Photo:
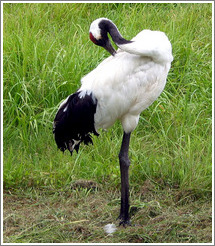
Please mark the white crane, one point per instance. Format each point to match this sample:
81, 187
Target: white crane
119, 88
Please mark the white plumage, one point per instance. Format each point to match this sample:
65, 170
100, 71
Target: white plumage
126, 84
119, 88
110, 228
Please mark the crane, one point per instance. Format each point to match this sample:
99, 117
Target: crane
119, 88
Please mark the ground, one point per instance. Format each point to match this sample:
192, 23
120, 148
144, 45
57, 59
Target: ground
79, 214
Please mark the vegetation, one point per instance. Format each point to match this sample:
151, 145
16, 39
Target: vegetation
46, 52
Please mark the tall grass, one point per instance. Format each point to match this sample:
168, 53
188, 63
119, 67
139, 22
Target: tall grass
47, 51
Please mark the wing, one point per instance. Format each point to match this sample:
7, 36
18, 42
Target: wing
74, 122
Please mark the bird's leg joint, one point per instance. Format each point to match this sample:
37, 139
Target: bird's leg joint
124, 160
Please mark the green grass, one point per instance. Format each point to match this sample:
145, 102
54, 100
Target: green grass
46, 52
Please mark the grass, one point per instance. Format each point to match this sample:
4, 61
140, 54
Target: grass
79, 215
46, 52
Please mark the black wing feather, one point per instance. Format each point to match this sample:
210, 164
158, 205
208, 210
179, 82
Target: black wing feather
74, 122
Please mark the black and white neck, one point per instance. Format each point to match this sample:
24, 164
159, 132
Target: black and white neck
98, 34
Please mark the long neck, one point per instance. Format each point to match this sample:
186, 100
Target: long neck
110, 27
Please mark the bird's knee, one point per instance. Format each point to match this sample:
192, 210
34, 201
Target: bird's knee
124, 160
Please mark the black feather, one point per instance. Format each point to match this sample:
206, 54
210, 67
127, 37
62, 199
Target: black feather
74, 122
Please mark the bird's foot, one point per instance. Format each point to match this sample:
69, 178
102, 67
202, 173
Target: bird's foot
124, 221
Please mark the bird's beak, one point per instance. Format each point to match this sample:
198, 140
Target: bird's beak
108, 46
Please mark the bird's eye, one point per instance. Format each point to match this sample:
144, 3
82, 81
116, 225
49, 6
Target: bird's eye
93, 39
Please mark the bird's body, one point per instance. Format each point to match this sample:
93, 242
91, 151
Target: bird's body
119, 88
126, 84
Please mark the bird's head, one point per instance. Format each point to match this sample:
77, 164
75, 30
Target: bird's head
98, 34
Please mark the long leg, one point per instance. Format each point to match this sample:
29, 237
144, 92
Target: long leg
124, 169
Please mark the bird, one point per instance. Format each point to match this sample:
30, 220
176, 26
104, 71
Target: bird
122, 86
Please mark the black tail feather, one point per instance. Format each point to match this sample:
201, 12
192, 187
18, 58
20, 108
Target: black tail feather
74, 122
76, 148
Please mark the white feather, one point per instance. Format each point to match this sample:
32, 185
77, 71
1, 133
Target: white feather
129, 82
110, 228
154, 44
